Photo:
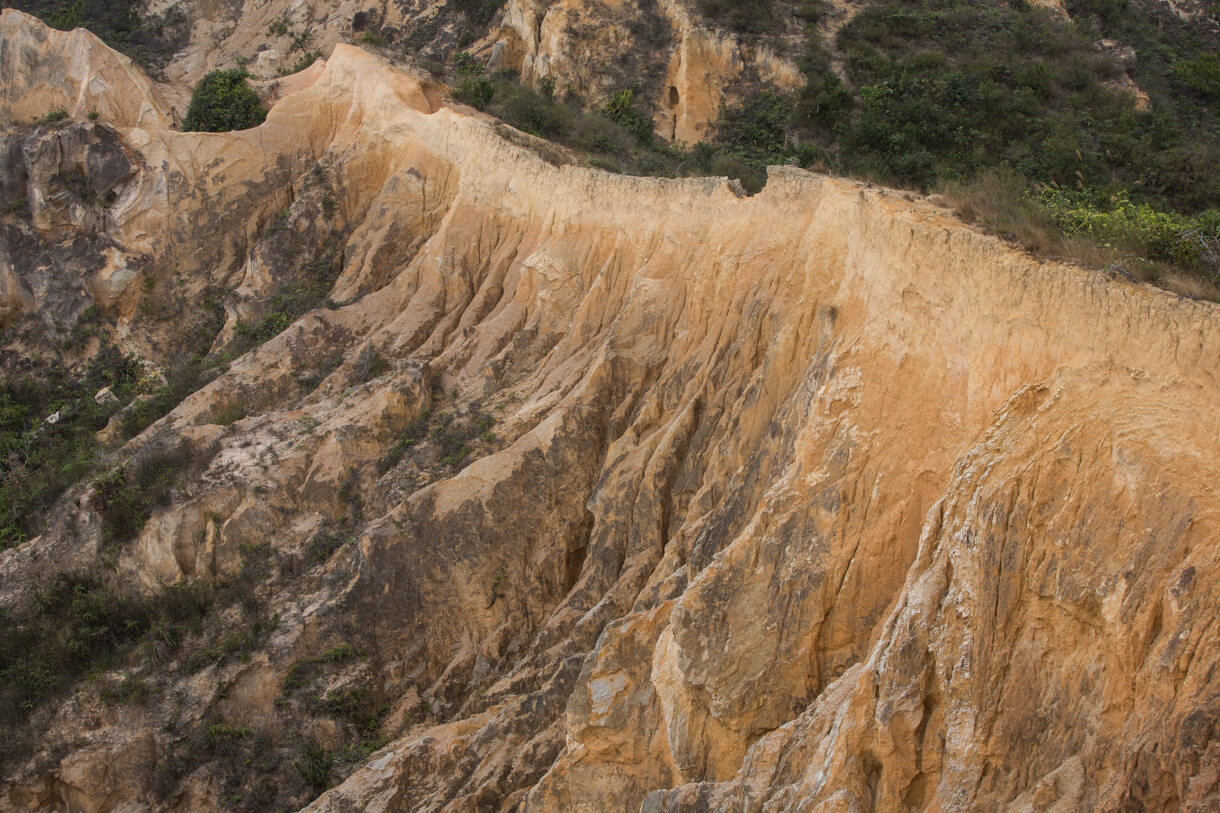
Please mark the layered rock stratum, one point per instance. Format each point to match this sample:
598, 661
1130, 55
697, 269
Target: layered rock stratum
816, 499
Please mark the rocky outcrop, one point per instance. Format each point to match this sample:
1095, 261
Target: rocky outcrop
659, 498
58, 187
688, 67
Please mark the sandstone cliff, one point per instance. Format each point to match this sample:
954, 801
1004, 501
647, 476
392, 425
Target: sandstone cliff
660, 498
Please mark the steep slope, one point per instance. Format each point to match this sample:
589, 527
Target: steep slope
645, 495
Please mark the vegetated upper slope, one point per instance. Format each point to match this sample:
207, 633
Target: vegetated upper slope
578, 491
1104, 125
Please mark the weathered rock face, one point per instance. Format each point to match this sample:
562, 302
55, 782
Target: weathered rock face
684, 67
597, 49
60, 184
811, 500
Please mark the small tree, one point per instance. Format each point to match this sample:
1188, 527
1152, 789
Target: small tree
622, 110
223, 101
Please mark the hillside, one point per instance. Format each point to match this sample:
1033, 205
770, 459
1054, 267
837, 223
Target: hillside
381, 457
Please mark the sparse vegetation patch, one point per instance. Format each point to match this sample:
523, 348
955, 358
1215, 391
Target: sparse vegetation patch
48, 426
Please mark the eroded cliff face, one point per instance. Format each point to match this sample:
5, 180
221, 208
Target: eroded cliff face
684, 66
596, 49
660, 498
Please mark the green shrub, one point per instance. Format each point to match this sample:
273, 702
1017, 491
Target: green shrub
1139, 227
314, 765
68, 16
181, 383
752, 176
54, 116
531, 111
340, 653
303, 61
467, 65
1201, 74
223, 101
131, 689
324, 544
355, 704
244, 640
596, 133
360, 750
410, 436
288, 303
230, 413
188, 373
223, 737
757, 130
622, 110
476, 91
824, 102
126, 497
305, 672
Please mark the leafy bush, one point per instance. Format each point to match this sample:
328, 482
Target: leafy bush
314, 765
1201, 74
340, 653
945, 89
223, 101
476, 91
355, 704
1167, 236
757, 130
324, 544
305, 672
190, 371
824, 102
598, 134
54, 116
303, 61
622, 110
532, 112
181, 383
126, 497
414, 432
230, 413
